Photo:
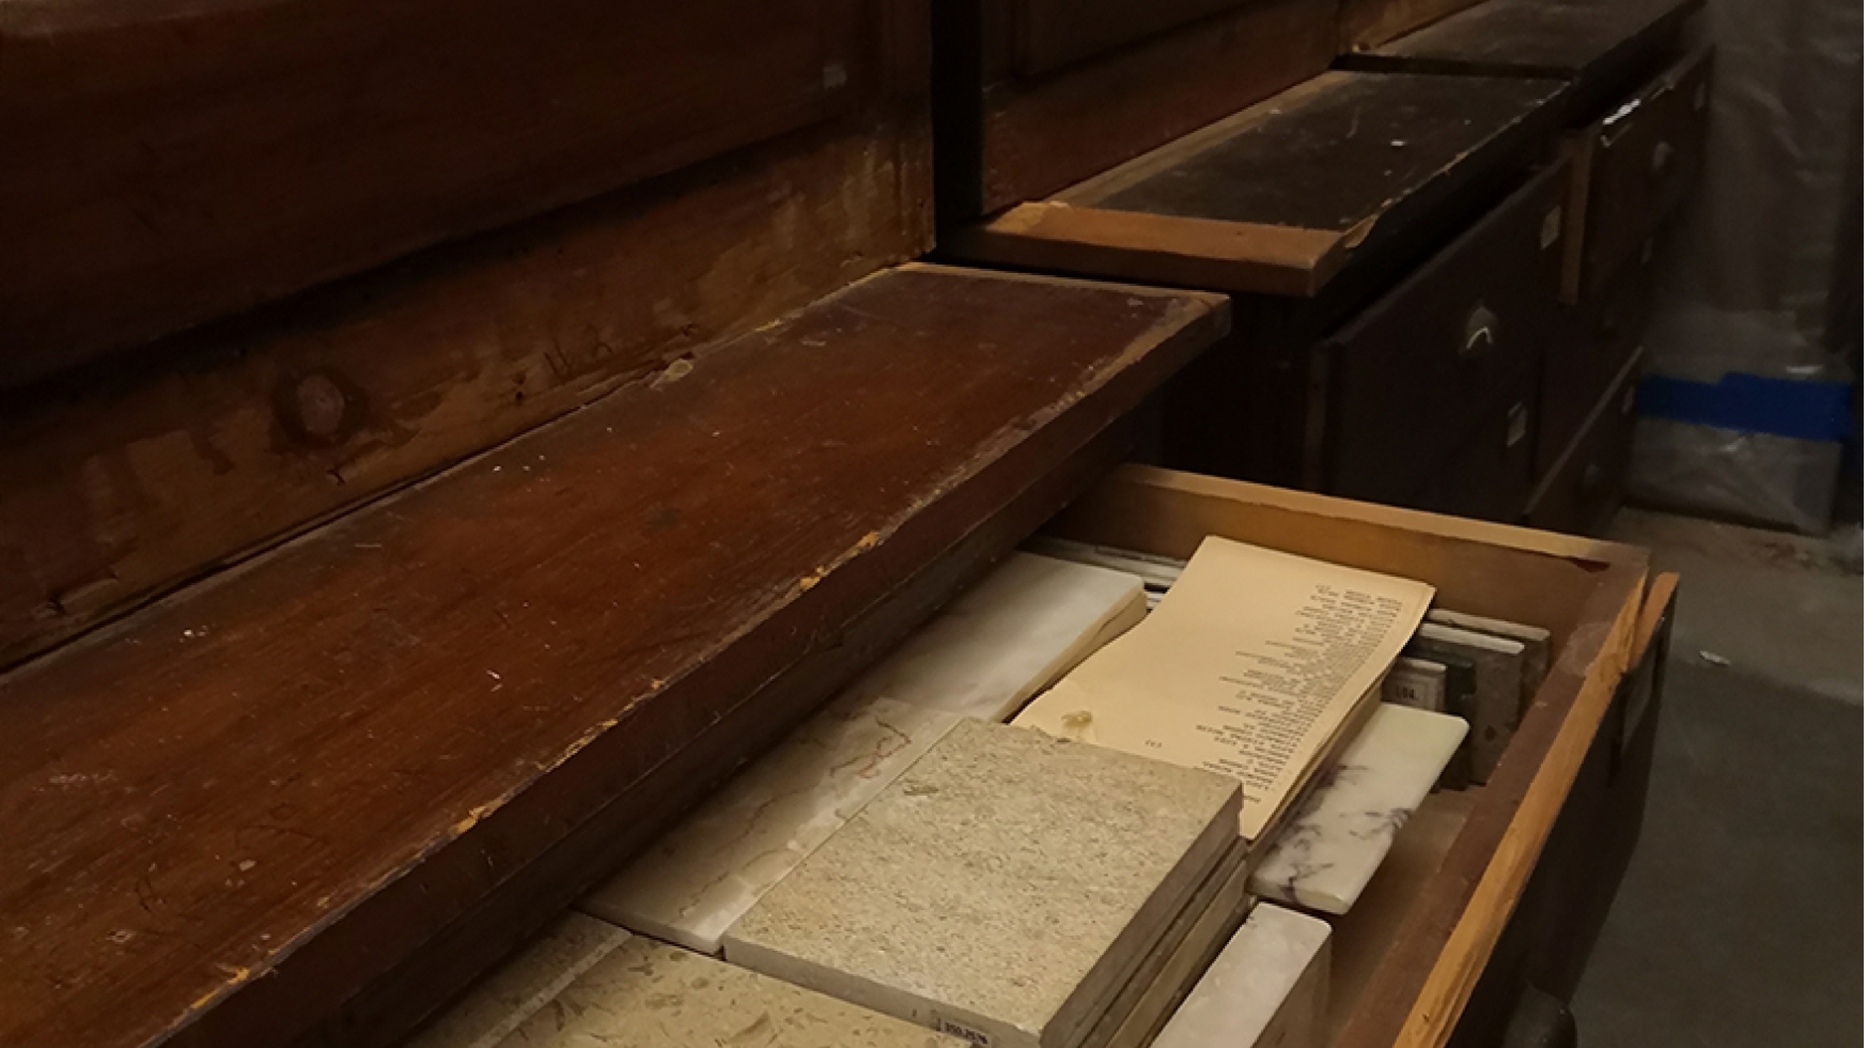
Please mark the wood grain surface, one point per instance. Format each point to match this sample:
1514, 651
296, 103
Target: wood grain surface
169, 161
1366, 24
128, 478
420, 701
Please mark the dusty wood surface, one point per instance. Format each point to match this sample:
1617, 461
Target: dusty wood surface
123, 482
421, 700
168, 162
1366, 24
1589, 594
1572, 39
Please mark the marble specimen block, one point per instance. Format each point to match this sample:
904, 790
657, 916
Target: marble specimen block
707, 871
1002, 889
523, 985
1338, 836
1267, 989
651, 995
1029, 621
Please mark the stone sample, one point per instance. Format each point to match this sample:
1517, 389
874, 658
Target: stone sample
707, 871
1341, 832
1003, 888
1267, 989
523, 985
1029, 621
651, 995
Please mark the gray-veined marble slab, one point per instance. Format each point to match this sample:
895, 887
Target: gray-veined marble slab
1342, 831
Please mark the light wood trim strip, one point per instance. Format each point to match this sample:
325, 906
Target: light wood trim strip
1234, 257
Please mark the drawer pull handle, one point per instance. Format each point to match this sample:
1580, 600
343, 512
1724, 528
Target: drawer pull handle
1481, 330
1661, 157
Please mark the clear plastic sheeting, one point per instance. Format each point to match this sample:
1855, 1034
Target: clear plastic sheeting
1748, 288
1755, 478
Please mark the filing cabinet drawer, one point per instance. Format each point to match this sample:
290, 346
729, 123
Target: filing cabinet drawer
1586, 483
1633, 169
1408, 956
1491, 476
1596, 339
1417, 374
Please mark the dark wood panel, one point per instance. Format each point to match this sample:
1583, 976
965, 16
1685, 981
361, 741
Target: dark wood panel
1641, 163
1054, 33
1366, 24
1594, 342
445, 685
124, 482
1034, 138
169, 162
1423, 371
1605, 46
1587, 483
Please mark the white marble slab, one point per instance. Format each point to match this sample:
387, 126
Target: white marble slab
1020, 629
709, 870
1003, 888
1267, 989
651, 995
523, 985
1337, 838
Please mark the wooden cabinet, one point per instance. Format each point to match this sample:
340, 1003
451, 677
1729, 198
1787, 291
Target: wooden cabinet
1632, 169
1586, 483
1455, 348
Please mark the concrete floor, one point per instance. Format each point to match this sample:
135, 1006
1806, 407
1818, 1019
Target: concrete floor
1740, 922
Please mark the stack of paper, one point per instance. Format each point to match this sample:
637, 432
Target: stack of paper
1024, 625
1257, 665
1005, 888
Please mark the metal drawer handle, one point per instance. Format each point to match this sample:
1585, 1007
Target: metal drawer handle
1481, 330
1660, 159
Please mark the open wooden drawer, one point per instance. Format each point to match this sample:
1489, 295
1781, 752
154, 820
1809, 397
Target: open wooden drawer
306, 800
1410, 955
1278, 198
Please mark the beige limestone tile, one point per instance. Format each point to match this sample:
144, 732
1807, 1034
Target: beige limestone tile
1002, 887
1267, 989
525, 983
706, 872
651, 995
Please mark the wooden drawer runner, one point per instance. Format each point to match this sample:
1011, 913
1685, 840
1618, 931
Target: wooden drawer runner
1449, 351
1408, 956
1587, 482
1633, 169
